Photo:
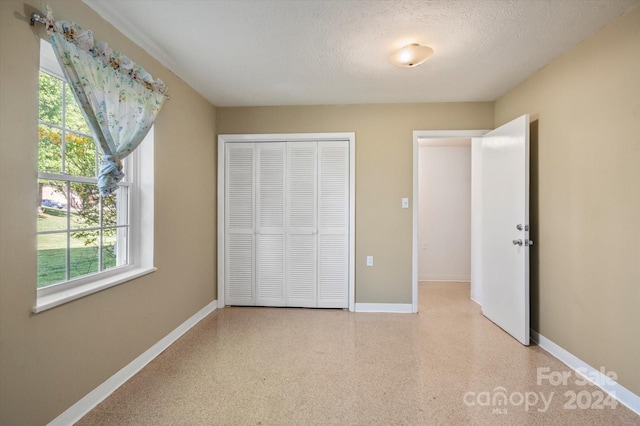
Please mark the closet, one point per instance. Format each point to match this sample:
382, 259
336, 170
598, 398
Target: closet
286, 223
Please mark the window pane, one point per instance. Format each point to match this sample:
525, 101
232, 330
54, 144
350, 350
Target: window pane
84, 253
74, 118
49, 149
52, 214
52, 259
50, 99
114, 208
86, 205
80, 155
114, 247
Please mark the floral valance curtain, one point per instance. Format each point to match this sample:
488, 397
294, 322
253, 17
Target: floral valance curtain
119, 99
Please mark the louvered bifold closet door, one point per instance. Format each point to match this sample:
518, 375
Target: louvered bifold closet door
270, 184
301, 224
333, 224
239, 224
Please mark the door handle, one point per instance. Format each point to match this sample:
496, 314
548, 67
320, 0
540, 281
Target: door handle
528, 242
517, 242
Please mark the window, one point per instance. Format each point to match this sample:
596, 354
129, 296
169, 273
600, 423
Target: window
85, 242
79, 232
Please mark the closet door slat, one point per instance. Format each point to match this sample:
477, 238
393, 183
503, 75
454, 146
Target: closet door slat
301, 223
333, 224
239, 225
270, 241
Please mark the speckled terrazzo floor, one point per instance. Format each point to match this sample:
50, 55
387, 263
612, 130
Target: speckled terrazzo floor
271, 366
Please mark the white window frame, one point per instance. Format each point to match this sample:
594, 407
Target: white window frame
140, 171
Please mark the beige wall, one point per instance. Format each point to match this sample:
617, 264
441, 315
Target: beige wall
384, 173
50, 360
588, 175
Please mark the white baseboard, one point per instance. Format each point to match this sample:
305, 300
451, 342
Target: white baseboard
404, 308
99, 394
465, 280
616, 390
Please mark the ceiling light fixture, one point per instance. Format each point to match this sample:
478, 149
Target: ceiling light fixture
411, 55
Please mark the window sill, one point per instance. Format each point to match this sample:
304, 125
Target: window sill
61, 297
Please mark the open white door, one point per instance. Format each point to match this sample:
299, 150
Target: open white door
505, 227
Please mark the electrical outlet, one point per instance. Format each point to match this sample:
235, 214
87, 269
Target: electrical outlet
369, 260
405, 203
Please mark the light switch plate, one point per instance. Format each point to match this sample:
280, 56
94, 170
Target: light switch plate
369, 260
405, 203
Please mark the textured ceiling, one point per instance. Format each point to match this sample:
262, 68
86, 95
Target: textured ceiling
309, 52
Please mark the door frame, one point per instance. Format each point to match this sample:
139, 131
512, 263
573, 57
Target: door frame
435, 134
223, 139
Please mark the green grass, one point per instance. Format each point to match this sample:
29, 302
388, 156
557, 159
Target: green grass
52, 251
52, 263
56, 220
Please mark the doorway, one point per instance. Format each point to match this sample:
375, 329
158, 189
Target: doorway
442, 139
444, 222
